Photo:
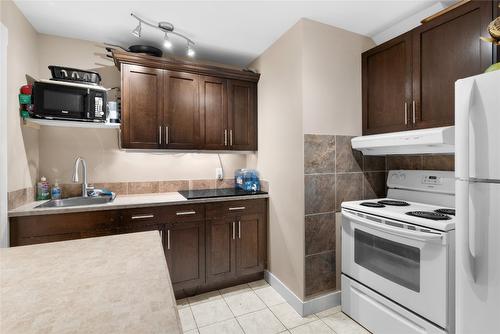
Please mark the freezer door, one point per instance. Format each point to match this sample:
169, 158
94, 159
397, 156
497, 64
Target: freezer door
477, 256
477, 134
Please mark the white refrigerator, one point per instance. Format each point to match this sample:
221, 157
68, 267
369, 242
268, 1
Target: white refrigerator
477, 171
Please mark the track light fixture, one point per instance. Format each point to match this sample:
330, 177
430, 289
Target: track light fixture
167, 28
190, 51
137, 31
166, 42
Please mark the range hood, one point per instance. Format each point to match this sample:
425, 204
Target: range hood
433, 140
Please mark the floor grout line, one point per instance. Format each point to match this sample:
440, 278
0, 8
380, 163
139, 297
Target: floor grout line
252, 289
234, 316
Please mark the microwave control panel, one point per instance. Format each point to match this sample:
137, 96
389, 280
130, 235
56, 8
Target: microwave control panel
98, 112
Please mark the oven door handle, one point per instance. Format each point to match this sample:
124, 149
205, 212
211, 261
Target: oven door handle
405, 233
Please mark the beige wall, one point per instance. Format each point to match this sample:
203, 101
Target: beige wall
310, 83
22, 151
331, 79
107, 163
280, 157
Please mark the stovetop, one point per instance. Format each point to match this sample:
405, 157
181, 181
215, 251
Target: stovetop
223, 192
431, 216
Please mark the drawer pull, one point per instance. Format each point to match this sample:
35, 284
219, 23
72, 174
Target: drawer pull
239, 229
168, 239
185, 213
237, 208
234, 231
143, 217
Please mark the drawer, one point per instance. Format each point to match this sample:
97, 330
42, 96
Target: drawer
183, 213
141, 216
59, 224
236, 208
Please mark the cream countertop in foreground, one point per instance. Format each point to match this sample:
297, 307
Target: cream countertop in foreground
124, 202
113, 284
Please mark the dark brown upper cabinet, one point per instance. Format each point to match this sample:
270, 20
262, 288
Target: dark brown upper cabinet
387, 86
446, 49
181, 105
409, 81
181, 111
213, 113
242, 122
142, 109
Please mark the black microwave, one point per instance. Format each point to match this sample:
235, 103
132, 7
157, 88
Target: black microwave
69, 101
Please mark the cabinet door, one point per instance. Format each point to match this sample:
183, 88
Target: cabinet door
386, 86
242, 115
142, 113
251, 244
220, 250
213, 113
182, 113
446, 49
185, 251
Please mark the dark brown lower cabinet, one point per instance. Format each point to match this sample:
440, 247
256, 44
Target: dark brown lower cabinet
207, 246
184, 244
250, 244
221, 259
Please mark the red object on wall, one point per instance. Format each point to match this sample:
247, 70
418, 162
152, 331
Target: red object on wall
26, 89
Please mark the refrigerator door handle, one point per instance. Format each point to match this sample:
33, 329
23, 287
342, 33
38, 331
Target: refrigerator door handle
463, 105
469, 249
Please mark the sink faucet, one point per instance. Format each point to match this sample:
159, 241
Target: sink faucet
85, 186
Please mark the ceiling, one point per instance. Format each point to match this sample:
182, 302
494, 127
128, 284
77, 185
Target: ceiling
230, 32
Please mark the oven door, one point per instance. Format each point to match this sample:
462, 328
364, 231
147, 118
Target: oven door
405, 263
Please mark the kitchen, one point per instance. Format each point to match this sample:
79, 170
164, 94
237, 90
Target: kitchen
301, 177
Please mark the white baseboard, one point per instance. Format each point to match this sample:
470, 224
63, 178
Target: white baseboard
304, 308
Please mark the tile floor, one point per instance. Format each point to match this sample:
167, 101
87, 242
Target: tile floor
256, 308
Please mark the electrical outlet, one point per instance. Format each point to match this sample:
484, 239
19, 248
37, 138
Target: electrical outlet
219, 175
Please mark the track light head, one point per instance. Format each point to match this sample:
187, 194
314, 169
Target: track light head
137, 31
166, 42
190, 51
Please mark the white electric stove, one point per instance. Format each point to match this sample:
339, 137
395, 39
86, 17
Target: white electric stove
398, 255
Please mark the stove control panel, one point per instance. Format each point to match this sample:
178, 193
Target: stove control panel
432, 179
422, 180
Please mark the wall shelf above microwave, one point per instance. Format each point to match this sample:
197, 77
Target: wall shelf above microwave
37, 122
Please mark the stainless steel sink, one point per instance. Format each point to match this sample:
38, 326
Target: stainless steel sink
75, 201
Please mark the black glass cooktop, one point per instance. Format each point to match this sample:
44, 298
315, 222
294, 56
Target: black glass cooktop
223, 192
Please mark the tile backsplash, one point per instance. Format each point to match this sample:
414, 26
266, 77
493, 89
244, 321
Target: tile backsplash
333, 173
23, 196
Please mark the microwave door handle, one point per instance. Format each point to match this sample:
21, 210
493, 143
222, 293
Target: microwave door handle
405, 233
87, 108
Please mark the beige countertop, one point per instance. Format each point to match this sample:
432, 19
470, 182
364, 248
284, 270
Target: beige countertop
124, 202
113, 284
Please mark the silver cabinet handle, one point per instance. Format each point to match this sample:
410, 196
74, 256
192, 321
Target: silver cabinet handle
237, 208
231, 137
239, 229
406, 113
414, 107
159, 134
234, 230
225, 137
142, 217
166, 135
161, 234
168, 239
185, 213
